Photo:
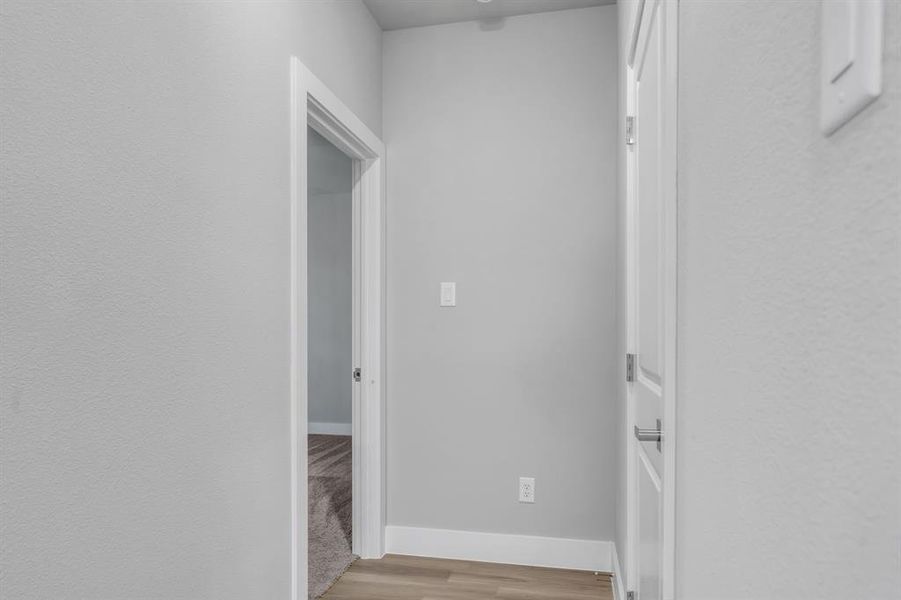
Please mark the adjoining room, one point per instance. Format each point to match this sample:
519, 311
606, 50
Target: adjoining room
331, 370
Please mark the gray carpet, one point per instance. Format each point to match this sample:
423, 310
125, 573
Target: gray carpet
330, 486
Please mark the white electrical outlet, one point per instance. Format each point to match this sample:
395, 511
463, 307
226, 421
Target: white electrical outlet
527, 490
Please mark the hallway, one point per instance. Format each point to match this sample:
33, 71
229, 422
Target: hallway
606, 292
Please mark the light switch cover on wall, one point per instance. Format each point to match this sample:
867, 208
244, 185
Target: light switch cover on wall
851, 72
448, 293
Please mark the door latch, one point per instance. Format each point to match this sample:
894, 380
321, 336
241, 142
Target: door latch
357, 374
651, 435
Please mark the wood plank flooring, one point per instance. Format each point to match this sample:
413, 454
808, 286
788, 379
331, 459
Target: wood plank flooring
413, 578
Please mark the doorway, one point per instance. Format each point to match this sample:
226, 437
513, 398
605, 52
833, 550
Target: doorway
317, 113
332, 359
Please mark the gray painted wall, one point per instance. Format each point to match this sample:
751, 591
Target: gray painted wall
144, 439
789, 453
502, 154
330, 242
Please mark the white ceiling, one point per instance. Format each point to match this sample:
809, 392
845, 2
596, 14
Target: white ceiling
398, 14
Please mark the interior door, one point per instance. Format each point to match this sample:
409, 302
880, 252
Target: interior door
652, 305
355, 368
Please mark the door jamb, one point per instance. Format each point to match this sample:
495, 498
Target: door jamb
669, 156
671, 291
313, 104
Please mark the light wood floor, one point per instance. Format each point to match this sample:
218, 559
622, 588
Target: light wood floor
412, 578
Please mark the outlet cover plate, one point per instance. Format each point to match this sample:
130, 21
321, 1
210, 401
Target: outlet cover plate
527, 490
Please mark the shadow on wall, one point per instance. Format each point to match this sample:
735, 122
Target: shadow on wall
492, 24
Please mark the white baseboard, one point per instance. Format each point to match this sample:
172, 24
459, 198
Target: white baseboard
330, 428
619, 586
583, 555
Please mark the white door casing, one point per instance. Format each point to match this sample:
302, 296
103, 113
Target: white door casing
651, 299
314, 105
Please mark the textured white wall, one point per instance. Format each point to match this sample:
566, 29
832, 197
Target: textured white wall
789, 464
330, 225
144, 441
502, 171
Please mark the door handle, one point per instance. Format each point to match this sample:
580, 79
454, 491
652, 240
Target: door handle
650, 435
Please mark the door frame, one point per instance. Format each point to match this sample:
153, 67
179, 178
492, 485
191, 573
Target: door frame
669, 155
313, 104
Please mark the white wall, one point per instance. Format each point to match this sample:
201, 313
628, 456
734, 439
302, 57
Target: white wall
789, 453
330, 242
502, 170
144, 440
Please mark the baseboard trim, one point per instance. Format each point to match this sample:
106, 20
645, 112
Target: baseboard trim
330, 428
619, 586
533, 551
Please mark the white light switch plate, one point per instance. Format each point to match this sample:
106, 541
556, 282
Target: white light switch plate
448, 293
851, 71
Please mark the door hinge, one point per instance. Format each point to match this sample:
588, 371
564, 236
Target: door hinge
630, 367
357, 374
630, 130
630, 595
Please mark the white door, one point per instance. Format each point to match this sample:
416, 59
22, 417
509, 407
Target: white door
651, 306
